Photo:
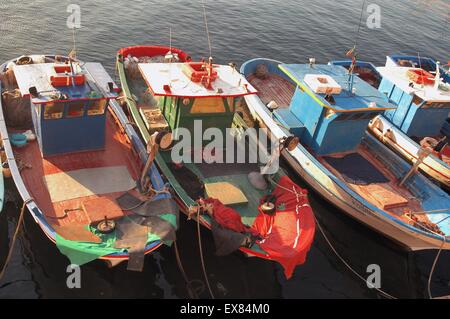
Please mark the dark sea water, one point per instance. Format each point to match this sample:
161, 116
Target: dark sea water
288, 30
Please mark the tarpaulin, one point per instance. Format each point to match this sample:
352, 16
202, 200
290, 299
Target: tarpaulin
227, 217
288, 234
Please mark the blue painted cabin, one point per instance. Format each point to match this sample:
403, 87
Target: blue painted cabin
68, 108
422, 109
330, 109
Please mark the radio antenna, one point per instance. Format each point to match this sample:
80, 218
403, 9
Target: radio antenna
207, 29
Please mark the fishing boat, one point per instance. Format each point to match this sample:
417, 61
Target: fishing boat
262, 215
418, 129
419, 62
329, 109
78, 165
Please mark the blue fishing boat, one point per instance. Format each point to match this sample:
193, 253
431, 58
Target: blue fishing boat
78, 164
329, 109
419, 62
418, 129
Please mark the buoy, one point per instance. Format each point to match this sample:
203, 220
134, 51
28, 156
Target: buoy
268, 208
6, 170
106, 226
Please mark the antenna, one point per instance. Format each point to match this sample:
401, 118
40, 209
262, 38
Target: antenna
353, 53
170, 39
359, 25
73, 56
207, 29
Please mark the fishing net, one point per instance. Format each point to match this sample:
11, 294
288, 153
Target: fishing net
17, 110
261, 71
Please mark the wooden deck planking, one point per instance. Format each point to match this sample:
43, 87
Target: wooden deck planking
117, 152
391, 187
273, 88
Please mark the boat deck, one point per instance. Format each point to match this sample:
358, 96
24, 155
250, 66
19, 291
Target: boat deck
117, 153
273, 88
381, 188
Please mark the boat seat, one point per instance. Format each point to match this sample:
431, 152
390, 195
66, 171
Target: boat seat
226, 192
290, 121
386, 197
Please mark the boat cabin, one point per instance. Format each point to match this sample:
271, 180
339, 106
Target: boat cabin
191, 91
423, 104
68, 104
414, 61
330, 109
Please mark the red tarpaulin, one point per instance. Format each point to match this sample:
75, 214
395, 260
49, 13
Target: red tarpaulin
287, 235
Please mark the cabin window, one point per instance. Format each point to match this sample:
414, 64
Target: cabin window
208, 105
75, 109
97, 107
53, 111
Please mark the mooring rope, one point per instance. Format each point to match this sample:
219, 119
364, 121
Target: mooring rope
382, 292
434, 266
192, 292
205, 274
16, 232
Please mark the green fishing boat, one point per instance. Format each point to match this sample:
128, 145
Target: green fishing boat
249, 204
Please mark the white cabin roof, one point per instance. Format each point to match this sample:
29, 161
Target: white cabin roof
229, 82
398, 76
38, 75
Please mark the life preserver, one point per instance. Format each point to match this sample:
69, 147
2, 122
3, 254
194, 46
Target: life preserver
62, 68
67, 80
198, 71
420, 76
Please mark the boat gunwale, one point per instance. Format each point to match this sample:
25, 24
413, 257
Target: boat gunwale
428, 160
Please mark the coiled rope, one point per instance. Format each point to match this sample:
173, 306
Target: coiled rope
16, 233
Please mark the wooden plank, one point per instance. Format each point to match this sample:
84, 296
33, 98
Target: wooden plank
226, 192
273, 88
